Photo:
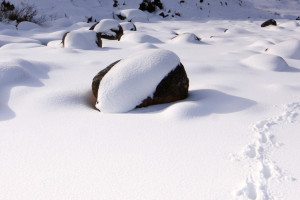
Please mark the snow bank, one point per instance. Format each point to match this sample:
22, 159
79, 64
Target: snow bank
27, 26
267, 62
287, 49
137, 37
81, 39
134, 79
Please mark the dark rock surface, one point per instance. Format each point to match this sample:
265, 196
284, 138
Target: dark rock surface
269, 22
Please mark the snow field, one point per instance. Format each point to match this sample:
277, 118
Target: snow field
234, 137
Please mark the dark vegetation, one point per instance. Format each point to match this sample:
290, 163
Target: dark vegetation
150, 5
9, 12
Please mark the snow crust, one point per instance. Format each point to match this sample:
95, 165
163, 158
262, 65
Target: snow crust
134, 79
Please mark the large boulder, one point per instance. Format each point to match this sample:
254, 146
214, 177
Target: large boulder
109, 29
81, 39
269, 22
150, 77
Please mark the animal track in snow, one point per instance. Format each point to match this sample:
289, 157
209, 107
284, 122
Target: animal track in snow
258, 153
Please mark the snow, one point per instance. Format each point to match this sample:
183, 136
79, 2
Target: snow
27, 26
133, 79
106, 25
128, 26
133, 15
267, 62
81, 39
287, 49
235, 137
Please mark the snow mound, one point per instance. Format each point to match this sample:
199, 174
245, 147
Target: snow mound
267, 62
20, 71
186, 38
81, 39
27, 26
128, 26
134, 79
132, 15
139, 38
105, 26
286, 49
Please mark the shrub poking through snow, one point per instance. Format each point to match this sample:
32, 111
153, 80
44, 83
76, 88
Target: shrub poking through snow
8, 12
81, 40
269, 22
150, 5
150, 77
109, 29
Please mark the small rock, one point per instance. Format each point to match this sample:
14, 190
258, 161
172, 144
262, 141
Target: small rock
269, 22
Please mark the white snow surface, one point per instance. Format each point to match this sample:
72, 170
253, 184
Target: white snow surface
81, 39
235, 137
106, 25
134, 15
133, 79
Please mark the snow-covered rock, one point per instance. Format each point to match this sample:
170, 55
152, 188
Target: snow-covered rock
108, 29
186, 38
81, 39
150, 77
267, 62
128, 26
132, 15
286, 49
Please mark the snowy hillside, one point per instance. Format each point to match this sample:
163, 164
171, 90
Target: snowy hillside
222, 9
235, 137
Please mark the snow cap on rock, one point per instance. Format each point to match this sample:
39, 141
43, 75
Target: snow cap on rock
134, 79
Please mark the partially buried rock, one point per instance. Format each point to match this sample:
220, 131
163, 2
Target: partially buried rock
147, 78
269, 22
81, 39
109, 29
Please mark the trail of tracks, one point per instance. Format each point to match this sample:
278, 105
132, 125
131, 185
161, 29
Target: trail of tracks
257, 155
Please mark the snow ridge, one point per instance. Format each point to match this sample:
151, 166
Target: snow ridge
258, 154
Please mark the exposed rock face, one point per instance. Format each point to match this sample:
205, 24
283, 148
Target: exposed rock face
97, 79
108, 29
172, 88
269, 22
